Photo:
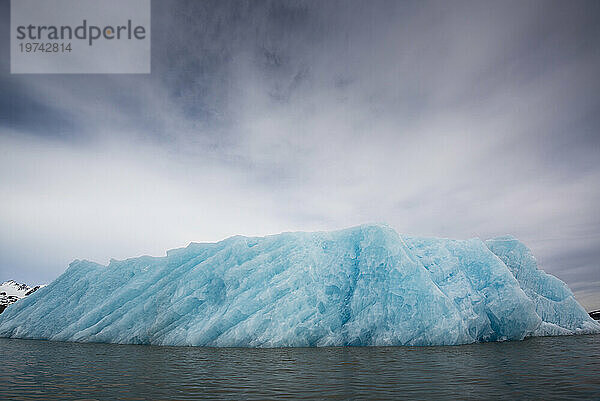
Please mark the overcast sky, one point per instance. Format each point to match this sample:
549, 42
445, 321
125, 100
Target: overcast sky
450, 119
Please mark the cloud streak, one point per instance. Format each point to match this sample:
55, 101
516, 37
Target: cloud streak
456, 120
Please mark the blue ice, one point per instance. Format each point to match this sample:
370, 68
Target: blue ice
364, 285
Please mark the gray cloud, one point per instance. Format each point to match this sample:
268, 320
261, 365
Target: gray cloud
457, 119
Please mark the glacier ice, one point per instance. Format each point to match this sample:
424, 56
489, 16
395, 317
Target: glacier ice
359, 286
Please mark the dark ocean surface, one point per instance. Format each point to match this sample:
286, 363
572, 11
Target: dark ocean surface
537, 368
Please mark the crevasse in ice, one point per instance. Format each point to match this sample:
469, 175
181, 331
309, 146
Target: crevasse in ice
360, 286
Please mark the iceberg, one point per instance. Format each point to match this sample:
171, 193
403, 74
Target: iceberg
362, 286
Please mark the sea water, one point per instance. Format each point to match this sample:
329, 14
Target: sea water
536, 368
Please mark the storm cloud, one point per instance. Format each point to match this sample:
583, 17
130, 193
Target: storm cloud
449, 119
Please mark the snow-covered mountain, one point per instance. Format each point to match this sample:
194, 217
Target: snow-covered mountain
11, 292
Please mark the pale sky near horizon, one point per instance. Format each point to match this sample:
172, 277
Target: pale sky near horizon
451, 119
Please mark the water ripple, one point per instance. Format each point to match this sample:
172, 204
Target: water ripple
538, 368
